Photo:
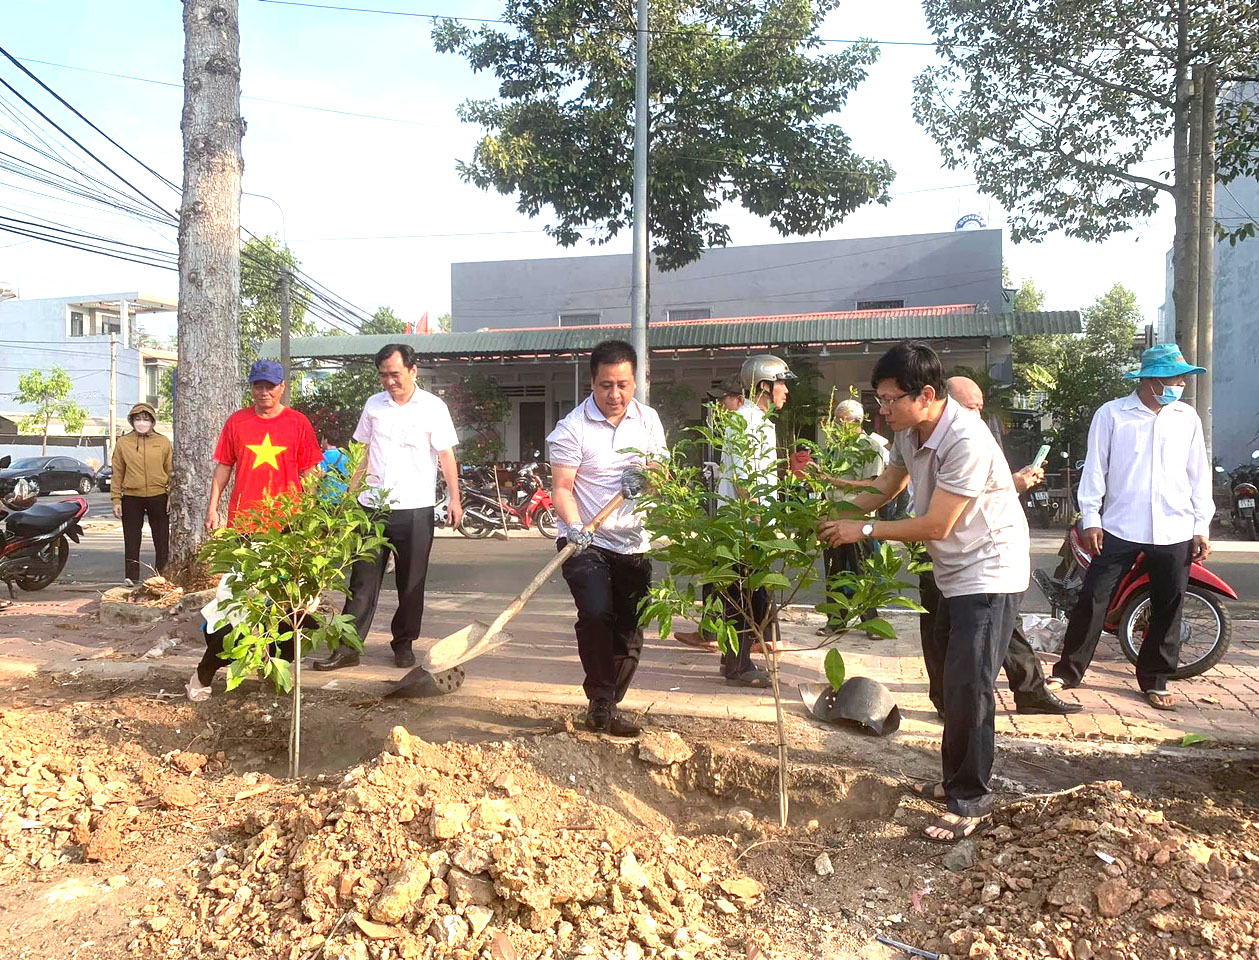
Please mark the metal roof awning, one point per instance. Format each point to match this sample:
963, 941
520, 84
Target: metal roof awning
929, 323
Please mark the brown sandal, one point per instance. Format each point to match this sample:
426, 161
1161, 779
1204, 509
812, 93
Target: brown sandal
931, 792
1160, 699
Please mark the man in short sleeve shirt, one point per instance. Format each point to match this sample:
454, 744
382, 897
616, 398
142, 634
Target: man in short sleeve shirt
408, 433
968, 515
590, 451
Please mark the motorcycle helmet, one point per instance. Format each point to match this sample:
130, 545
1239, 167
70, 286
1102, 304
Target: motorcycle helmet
22, 496
760, 368
860, 700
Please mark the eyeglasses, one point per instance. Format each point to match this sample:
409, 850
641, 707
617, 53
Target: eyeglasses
886, 402
390, 377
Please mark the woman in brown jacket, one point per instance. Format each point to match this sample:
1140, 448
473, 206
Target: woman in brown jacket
140, 484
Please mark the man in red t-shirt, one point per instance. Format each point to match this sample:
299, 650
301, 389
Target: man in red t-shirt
270, 447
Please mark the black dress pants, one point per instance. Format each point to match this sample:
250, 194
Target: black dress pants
737, 601
410, 533
979, 632
607, 587
848, 556
212, 659
1022, 667
134, 510
1168, 567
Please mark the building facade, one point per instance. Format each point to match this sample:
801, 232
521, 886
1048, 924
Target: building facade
76, 333
815, 276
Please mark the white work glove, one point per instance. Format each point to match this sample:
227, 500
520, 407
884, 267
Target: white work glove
578, 538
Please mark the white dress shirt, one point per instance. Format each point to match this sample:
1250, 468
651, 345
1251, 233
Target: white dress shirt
763, 455
1146, 477
601, 452
403, 440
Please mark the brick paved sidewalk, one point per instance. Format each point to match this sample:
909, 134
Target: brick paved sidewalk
61, 633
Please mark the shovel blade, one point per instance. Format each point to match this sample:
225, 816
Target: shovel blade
462, 646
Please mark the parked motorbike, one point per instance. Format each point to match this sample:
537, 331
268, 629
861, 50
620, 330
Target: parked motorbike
34, 539
1038, 505
1245, 480
1206, 627
530, 505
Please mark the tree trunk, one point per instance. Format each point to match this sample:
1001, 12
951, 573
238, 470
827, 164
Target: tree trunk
1184, 291
207, 389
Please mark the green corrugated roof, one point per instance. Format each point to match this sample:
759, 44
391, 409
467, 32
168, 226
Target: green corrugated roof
753, 332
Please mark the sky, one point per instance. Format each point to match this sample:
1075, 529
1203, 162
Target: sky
374, 209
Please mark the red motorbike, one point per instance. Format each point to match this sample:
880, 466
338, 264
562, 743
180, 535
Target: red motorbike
1206, 629
528, 505
34, 542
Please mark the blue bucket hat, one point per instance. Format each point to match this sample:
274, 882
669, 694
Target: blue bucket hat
1161, 361
266, 371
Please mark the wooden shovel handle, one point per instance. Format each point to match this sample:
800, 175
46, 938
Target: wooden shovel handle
554, 564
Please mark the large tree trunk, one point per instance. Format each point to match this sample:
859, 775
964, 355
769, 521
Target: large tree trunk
207, 389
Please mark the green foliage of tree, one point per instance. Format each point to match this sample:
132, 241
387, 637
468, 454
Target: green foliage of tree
1089, 369
443, 323
49, 394
806, 405
1063, 111
767, 537
479, 405
384, 320
278, 559
262, 262
333, 403
742, 111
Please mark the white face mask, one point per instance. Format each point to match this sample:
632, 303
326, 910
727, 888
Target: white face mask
142, 425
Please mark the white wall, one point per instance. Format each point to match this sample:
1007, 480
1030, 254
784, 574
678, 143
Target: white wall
1235, 404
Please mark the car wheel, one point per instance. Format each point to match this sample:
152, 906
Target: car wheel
85, 485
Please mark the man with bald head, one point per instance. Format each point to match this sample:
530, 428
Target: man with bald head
1022, 667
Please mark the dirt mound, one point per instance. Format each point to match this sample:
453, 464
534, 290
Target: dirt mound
454, 850
1095, 875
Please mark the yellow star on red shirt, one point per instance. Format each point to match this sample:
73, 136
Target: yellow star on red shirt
265, 453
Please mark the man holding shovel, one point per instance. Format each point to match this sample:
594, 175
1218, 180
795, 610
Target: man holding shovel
591, 451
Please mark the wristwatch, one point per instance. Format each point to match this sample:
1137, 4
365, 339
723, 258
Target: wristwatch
867, 530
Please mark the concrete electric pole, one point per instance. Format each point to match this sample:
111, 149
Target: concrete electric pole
286, 319
1205, 81
638, 290
113, 397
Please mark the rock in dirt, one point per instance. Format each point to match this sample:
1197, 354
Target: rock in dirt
466, 888
377, 931
742, 888
402, 894
478, 917
632, 874
105, 842
449, 819
823, 865
189, 763
177, 795
960, 857
663, 748
449, 931
1115, 898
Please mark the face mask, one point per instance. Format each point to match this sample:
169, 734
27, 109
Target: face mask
1170, 394
142, 425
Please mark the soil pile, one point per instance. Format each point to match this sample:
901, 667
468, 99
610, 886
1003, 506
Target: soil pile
458, 851
1096, 875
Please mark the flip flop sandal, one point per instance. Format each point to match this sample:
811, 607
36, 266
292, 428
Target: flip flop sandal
6, 604
1160, 700
931, 792
967, 827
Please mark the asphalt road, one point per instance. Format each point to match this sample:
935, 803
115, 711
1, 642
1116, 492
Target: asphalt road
498, 567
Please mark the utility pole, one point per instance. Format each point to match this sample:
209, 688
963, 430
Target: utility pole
113, 397
1187, 326
208, 384
638, 290
1206, 83
286, 317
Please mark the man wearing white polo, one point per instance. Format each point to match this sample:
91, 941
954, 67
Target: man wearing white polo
590, 451
408, 432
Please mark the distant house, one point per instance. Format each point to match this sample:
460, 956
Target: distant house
74, 333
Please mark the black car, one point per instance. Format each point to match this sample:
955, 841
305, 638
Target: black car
103, 476
50, 474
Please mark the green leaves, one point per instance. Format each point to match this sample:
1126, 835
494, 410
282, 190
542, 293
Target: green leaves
833, 665
50, 395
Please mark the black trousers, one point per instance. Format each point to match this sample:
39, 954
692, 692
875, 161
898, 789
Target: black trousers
736, 600
134, 510
979, 632
848, 556
1022, 667
607, 588
212, 659
1168, 567
410, 533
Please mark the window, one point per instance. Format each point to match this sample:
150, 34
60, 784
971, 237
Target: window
880, 304
94, 322
579, 319
682, 314
76, 323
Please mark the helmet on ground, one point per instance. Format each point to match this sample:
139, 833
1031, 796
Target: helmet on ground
762, 367
860, 700
23, 494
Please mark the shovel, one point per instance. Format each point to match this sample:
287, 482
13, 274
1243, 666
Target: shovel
477, 637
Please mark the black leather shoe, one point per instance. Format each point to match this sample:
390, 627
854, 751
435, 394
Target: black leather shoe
1046, 702
603, 717
403, 658
344, 657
